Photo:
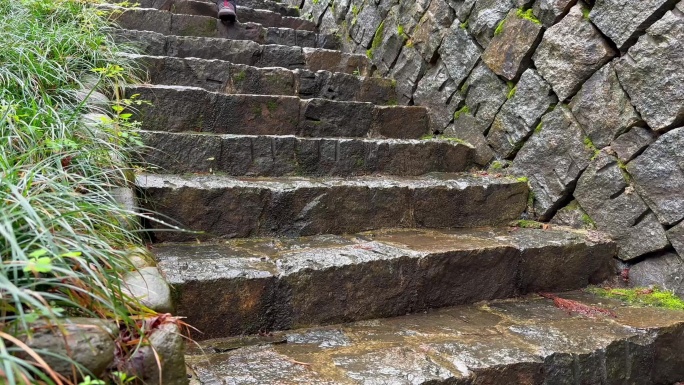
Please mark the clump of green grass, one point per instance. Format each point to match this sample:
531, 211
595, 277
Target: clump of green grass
642, 296
63, 236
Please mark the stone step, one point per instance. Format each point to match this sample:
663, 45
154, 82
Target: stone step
264, 17
241, 207
246, 52
167, 23
252, 285
226, 77
250, 155
272, 6
524, 341
185, 109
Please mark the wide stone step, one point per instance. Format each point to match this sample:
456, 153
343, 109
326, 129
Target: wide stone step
226, 77
264, 17
268, 5
245, 52
241, 207
250, 155
183, 109
525, 341
251, 285
167, 23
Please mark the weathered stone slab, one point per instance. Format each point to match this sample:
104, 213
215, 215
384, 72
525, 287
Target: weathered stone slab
622, 21
602, 108
553, 159
485, 93
470, 129
291, 206
665, 271
653, 70
631, 143
525, 341
659, 176
178, 109
408, 68
570, 52
336, 61
288, 155
520, 114
510, 51
325, 279
605, 195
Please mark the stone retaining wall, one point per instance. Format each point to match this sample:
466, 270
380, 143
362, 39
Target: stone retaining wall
586, 100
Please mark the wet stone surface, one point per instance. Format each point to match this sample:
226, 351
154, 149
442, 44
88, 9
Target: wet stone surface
522, 341
266, 284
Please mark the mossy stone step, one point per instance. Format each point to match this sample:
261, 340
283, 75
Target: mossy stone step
249, 285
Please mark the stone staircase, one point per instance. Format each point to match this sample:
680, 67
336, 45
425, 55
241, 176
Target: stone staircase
314, 199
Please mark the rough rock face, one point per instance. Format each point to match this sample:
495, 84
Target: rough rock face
574, 216
652, 72
551, 11
610, 202
167, 349
88, 341
520, 114
470, 129
622, 20
659, 176
676, 237
485, 93
665, 271
553, 159
485, 17
510, 51
630, 144
570, 52
602, 108
440, 94
150, 288
459, 52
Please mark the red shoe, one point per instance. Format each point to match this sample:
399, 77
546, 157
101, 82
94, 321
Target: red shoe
226, 10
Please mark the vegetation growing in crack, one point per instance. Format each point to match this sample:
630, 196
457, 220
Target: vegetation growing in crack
377, 40
528, 224
463, 110
655, 297
527, 15
65, 240
499, 27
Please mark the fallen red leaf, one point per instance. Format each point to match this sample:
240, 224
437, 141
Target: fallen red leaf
580, 308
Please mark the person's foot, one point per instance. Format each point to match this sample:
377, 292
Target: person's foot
226, 10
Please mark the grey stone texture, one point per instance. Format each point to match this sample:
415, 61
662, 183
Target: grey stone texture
631, 143
549, 12
510, 51
573, 216
485, 93
459, 52
602, 108
439, 93
623, 20
659, 176
553, 159
665, 271
326, 279
570, 52
162, 361
87, 341
520, 114
610, 201
471, 129
676, 237
524, 341
294, 206
485, 16
150, 288
652, 72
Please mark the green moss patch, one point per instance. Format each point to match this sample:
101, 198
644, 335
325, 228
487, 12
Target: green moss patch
642, 296
528, 15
